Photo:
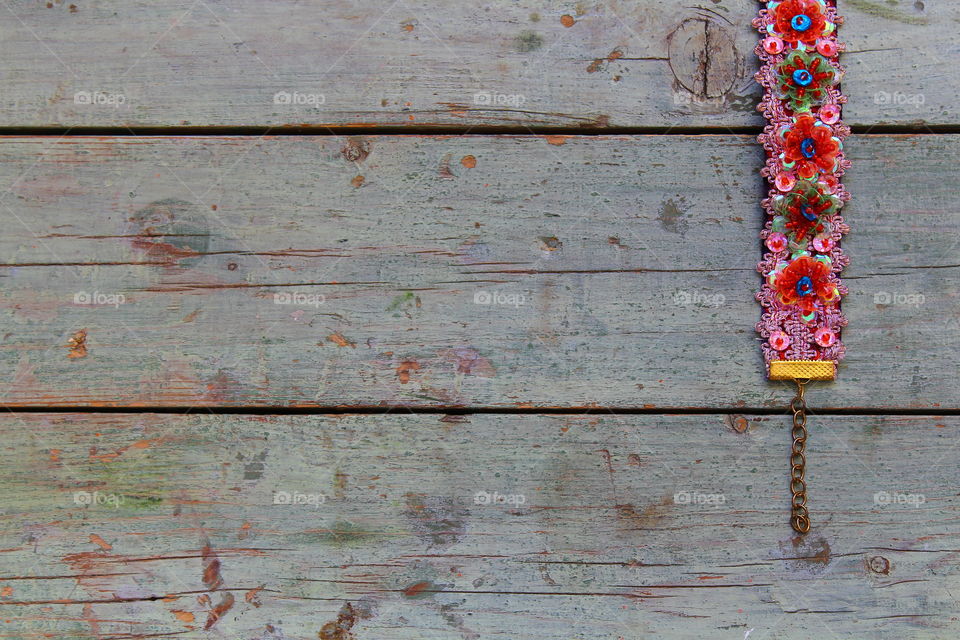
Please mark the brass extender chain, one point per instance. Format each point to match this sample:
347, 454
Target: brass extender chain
800, 517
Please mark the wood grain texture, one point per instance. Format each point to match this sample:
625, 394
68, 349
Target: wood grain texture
432, 272
128, 526
436, 271
650, 63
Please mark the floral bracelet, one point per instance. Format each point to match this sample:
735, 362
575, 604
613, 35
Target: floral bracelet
801, 321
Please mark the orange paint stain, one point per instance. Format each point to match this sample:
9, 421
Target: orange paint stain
183, 616
163, 251
339, 340
102, 457
416, 589
468, 161
78, 344
357, 181
404, 369
251, 596
556, 141
94, 453
100, 542
600, 63
6, 592
567, 20
218, 611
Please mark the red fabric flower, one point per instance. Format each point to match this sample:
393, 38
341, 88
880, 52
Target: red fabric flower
803, 78
800, 20
805, 210
811, 146
804, 282
800, 225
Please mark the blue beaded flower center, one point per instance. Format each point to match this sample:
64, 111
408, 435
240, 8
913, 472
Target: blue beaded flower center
805, 211
802, 77
808, 148
804, 286
801, 22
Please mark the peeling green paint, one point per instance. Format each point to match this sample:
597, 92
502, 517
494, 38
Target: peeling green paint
404, 298
885, 11
528, 41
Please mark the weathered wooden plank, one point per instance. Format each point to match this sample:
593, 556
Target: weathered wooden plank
655, 63
628, 526
433, 271
899, 62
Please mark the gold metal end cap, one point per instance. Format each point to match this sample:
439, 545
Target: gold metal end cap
803, 369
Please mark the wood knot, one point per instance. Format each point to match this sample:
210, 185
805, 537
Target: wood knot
356, 149
704, 58
878, 564
737, 422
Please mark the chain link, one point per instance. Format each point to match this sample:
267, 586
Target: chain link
800, 517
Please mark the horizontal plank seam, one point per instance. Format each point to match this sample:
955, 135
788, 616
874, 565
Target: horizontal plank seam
454, 410
348, 130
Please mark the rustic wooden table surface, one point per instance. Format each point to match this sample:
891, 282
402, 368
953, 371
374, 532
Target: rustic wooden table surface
434, 320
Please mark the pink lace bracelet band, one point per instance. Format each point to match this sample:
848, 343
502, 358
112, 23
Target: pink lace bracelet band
801, 323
